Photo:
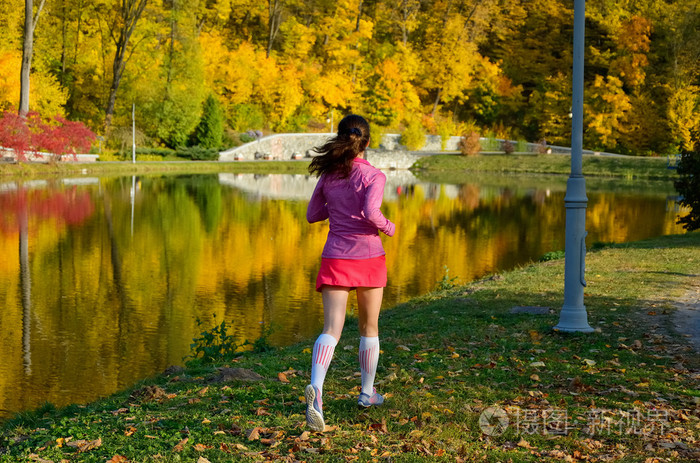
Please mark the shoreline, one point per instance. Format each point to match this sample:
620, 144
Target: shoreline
450, 164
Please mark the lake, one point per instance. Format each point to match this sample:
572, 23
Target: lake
105, 281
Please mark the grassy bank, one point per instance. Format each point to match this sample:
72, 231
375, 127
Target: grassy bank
627, 392
600, 166
34, 170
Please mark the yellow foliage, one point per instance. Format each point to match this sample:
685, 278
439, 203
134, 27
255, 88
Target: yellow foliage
450, 61
46, 96
333, 87
606, 111
684, 115
298, 39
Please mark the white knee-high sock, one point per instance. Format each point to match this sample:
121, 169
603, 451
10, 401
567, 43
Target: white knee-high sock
321, 358
368, 356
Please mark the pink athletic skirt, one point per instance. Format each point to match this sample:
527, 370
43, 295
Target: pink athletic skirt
368, 273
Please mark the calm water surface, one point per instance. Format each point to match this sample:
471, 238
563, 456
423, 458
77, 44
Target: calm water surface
103, 280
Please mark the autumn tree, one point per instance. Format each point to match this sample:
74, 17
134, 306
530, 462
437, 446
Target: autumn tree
171, 104
125, 15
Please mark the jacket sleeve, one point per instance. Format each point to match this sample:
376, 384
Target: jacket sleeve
373, 201
317, 210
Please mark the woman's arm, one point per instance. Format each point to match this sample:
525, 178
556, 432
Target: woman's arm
317, 209
373, 201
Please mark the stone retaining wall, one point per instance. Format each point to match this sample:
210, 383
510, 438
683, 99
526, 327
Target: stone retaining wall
390, 155
287, 146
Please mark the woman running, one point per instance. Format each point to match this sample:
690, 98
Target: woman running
349, 193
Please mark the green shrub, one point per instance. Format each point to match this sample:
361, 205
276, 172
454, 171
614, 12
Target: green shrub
218, 345
413, 137
491, 143
143, 154
552, 256
198, 153
446, 283
246, 138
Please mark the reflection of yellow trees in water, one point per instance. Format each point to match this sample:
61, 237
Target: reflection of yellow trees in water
111, 307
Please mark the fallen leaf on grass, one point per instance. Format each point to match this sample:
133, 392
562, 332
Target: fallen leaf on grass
203, 460
180, 445
534, 377
84, 445
130, 431
525, 444
35, 457
282, 377
201, 447
537, 364
304, 436
402, 347
118, 459
60, 441
381, 427
226, 447
253, 434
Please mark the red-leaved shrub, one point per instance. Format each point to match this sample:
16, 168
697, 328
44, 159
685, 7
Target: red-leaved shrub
31, 136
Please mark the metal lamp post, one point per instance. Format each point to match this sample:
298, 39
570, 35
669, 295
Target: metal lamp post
573, 316
133, 133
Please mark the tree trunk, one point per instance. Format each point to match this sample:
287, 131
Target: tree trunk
437, 100
275, 12
129, 14
27, 52
64, 32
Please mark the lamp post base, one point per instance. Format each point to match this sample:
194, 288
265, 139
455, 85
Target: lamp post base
574, 319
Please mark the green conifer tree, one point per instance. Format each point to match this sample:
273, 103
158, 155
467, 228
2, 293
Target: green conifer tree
209, 132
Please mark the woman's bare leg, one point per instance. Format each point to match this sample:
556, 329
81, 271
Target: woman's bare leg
335, 301
369, 301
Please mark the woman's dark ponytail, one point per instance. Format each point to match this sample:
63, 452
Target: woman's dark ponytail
337, 154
